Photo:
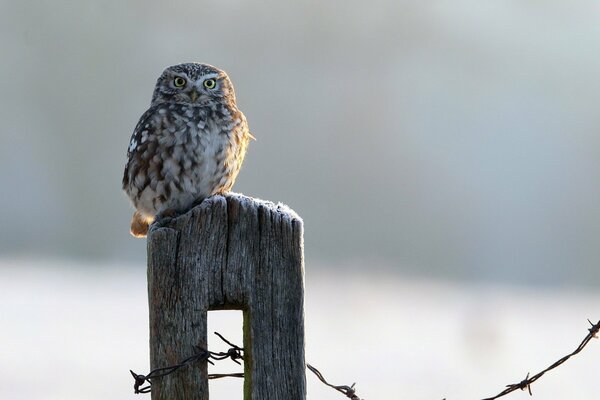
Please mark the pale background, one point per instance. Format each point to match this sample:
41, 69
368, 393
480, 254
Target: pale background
443, 154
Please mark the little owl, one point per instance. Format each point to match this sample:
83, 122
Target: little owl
187, 146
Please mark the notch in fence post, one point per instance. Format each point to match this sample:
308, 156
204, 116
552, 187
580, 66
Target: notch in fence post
231, 252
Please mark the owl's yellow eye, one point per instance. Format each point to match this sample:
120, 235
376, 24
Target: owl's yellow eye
210, 83
179, 82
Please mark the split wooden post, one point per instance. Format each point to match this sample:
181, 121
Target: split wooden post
231, 252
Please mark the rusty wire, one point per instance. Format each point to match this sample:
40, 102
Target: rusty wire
525, 384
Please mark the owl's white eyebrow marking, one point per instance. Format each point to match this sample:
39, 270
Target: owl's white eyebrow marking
207, 76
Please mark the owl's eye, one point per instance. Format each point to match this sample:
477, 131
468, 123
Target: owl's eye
179, 82
210, 83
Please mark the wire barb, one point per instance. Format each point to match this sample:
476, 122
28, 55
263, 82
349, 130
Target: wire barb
348, 391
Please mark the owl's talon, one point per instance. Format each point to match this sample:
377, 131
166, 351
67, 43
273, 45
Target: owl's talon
168, 213
165, 217
160, 223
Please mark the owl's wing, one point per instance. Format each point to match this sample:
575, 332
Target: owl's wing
139, 145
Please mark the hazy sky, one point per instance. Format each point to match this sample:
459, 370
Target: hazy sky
452, 137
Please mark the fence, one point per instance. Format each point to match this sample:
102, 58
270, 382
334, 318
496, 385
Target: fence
236, 252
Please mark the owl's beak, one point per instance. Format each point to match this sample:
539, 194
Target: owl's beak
194, 95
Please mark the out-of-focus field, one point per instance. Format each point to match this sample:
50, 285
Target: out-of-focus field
68, 332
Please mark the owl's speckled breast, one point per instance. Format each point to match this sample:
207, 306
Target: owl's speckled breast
183, 153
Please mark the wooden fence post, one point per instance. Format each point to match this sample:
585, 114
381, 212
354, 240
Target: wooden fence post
231, 252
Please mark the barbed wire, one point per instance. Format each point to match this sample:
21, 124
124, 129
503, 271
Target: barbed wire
234, 353
525, 384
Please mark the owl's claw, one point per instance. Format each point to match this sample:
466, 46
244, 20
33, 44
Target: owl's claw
161, 222
165, 217
168, 213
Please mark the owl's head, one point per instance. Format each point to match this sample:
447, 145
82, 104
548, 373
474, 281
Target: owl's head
193, 83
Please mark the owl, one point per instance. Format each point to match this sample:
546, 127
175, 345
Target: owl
189, 145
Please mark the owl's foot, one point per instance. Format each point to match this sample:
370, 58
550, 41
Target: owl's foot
165, 217
198, 201
168, 213
139, 225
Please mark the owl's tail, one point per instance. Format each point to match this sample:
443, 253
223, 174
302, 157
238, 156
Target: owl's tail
139, 224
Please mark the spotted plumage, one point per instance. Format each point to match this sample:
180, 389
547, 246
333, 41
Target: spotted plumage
190, 144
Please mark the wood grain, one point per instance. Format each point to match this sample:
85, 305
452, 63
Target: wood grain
229, 252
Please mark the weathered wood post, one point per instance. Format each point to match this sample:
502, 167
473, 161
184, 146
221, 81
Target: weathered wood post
231, 252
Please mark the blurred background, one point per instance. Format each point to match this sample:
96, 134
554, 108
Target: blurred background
443, 155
